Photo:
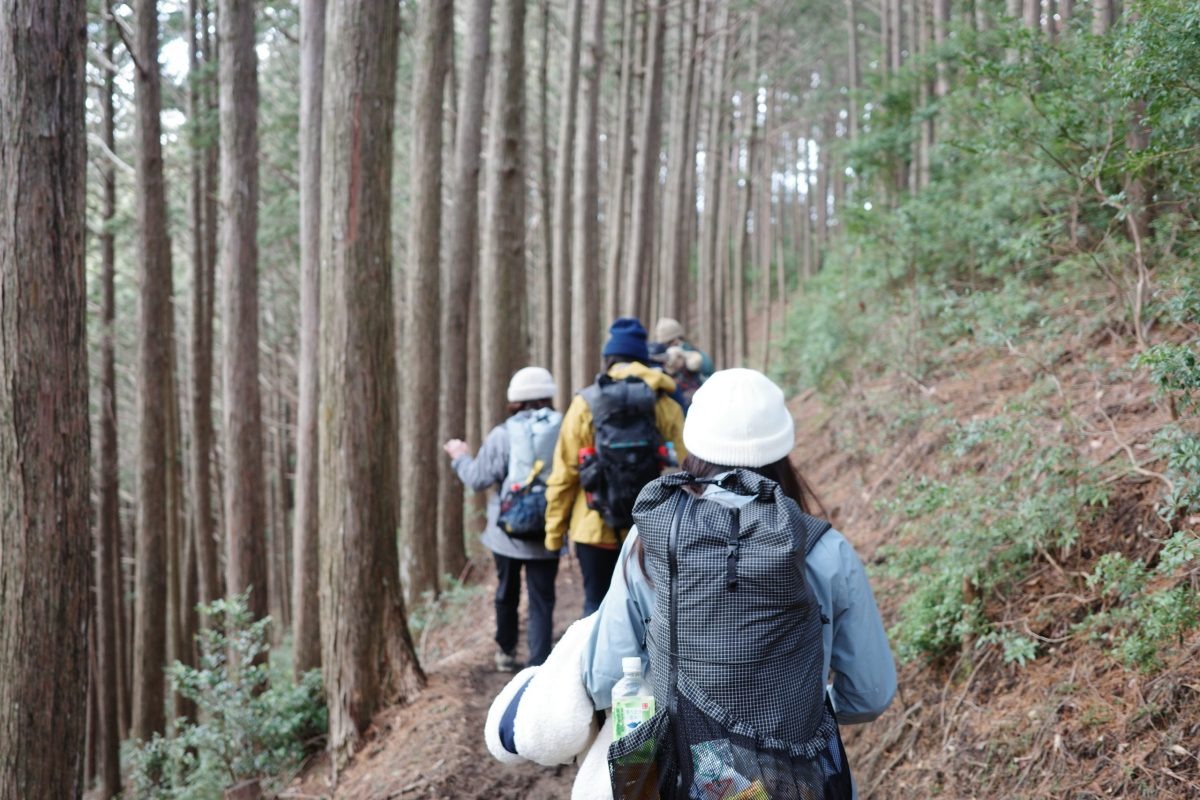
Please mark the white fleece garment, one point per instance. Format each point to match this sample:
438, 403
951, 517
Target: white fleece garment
491, 728
555, 720
592, 781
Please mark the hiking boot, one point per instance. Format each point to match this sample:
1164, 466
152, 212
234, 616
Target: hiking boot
506, 662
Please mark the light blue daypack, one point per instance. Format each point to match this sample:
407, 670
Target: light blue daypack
532, 435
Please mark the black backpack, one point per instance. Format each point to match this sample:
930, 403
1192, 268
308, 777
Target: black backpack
736, 652
629, 450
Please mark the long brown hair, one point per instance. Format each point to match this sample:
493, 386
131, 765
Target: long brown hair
782, 472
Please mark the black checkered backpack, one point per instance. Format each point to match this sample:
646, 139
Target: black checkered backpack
736, 652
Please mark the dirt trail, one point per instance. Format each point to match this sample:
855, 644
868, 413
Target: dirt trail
433, 747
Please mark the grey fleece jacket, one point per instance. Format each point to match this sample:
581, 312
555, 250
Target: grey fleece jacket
486, 471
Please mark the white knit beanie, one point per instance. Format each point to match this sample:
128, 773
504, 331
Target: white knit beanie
667, 330
739, 418
531, 383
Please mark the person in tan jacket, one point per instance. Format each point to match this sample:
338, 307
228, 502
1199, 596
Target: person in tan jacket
597, 544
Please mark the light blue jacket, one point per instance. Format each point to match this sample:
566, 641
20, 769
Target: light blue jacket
856, 648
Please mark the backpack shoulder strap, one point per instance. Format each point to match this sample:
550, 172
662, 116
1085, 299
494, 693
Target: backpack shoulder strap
814, 529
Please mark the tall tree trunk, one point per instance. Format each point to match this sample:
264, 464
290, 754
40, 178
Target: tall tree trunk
982, 20
725, 228
1066, 11
925, 94
306, 606
854, 79
714, 149
678, 206
202, 326
1031, 15
108, 523
821, 198
1102, 15
941, 20
418, 424
45, 452
500, 282
544, 349
275, 436
895, 35
642, 219
245, 486
367, 652
618, 195
561, 275
585, 312
150, 623
462, 265
212, 578
179, 634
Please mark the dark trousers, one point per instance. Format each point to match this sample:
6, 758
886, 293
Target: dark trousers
539, 584
597, 565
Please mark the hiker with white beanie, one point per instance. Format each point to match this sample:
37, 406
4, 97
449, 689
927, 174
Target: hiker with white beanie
515, 458
739, 436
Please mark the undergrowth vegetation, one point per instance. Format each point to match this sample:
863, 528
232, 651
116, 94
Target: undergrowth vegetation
252, 721
1057, 214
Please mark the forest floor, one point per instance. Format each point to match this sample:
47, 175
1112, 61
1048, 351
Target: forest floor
1071, 723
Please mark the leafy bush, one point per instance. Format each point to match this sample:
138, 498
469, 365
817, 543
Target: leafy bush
1143, 621
253, 721
983, 526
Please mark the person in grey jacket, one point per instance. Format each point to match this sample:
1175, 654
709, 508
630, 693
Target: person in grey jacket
530, 395
742, 420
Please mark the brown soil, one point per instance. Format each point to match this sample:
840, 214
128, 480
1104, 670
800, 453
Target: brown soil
1073, 723
433, 747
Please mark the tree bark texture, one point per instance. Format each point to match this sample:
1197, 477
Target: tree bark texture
853, 76
108, 523
678, 204
367, 653
618, 196
544, 344
154, 361
500, 282
45, 535
585, 279
1102, 14
461, 266
245, 484
306, 607
643, 218
418, 425
714, 149
180, 631
561, 254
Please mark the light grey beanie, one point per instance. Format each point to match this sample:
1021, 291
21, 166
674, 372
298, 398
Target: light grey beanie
531, 383
739, 418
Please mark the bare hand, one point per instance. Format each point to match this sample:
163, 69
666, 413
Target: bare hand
456, 448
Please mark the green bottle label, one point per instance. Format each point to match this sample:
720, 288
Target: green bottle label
629, 712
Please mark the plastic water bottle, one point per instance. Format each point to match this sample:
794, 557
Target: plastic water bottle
632, 700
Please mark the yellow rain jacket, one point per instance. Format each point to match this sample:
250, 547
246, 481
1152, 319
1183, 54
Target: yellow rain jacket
566, 505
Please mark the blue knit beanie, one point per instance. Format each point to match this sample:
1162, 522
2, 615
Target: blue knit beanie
627, 337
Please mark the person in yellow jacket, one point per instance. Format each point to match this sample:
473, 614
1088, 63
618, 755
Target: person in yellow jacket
596, 544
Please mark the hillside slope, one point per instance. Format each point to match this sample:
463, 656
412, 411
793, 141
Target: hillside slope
1073, 720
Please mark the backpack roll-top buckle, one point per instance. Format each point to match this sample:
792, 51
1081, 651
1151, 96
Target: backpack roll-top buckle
731, 551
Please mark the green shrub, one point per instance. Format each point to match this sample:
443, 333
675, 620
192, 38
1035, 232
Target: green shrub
980, 528
253, 721
1141, 621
